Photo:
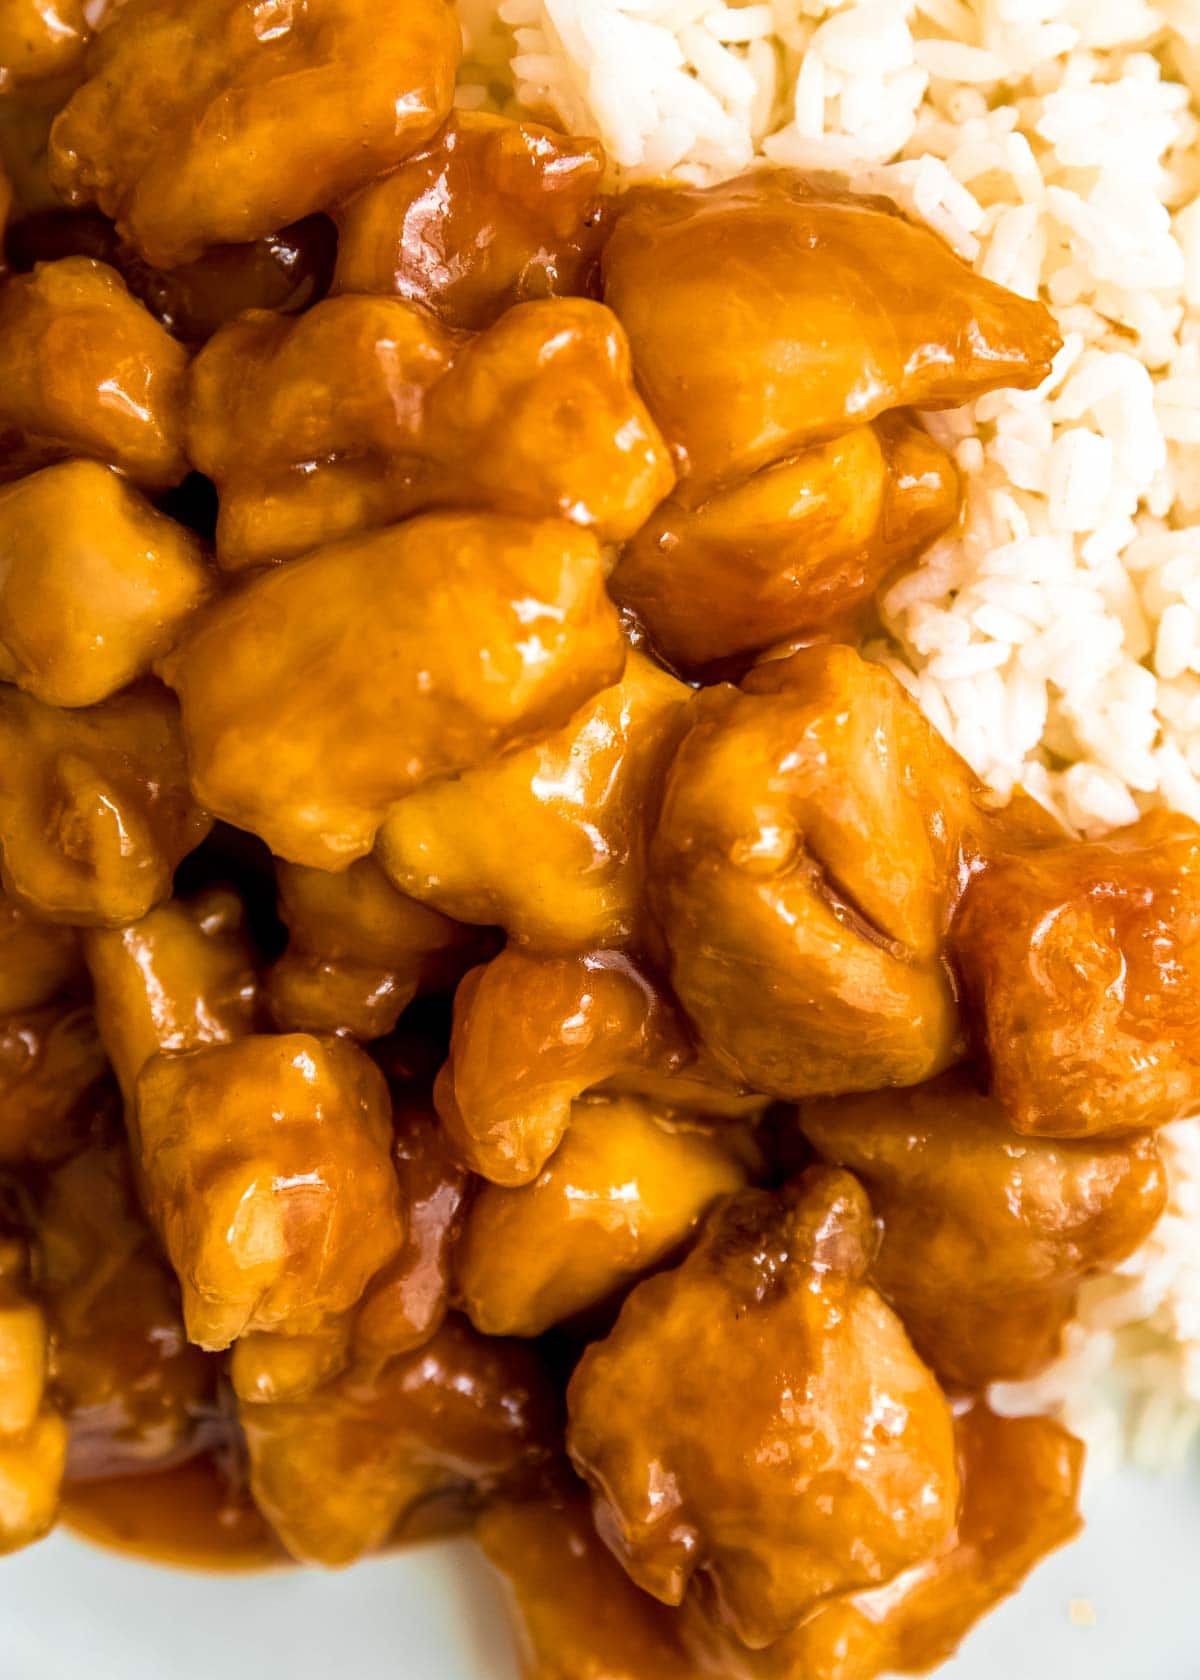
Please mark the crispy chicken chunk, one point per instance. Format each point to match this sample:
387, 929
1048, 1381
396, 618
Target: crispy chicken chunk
33, 1439
359, 951
765, 315
531, 1034
95, 811
322, 692
986, 1235
85, 369
179, 979
267, 1171
807, 857
625, 1190
1020, 1481
548, 841
757, 1419
95, 584
1081, 964
256, 120
366, 409
577, 1615
797, 549
364, 1458
492, 213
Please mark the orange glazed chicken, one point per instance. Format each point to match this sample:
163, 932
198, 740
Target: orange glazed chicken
267, 1173
490, 214
757, 1421
421, 650
365, 410
85, 369
513, 1020
256, 123
986, 1235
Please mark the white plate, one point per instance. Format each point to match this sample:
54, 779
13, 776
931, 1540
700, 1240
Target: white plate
70, 1613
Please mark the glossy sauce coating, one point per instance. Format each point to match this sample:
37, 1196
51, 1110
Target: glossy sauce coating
136, 1396
802, 872
531, 1034
95, 584
623, 1192
804, 1449
549, 840
720, 288
33, 1439
576, 1614
1081, 963
340, 1472
95, 807
254, 127
178, 979
268, 1177
986, 1235
366, 410
85, 369
492, 213
798, 548
1020, 1499
190, 1517
407, 1300
424, 649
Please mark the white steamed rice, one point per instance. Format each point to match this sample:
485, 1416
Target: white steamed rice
1055, 640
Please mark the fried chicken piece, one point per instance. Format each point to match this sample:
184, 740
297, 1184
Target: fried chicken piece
322, 692
757, 1419
181, 978
797, 549
38, 960
359, 951
1080, 965
548, 841
810, 848
406, 1303
364, 1458
51, 1061
532, 1034
576, 1613
625, 1190
765, 315
95, 811
136, 1396
85, 369
267, 1172
1020, 1481
40, 39
33, 1440
490, 214
366, 409
254, 126
986, 1235
95, 584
